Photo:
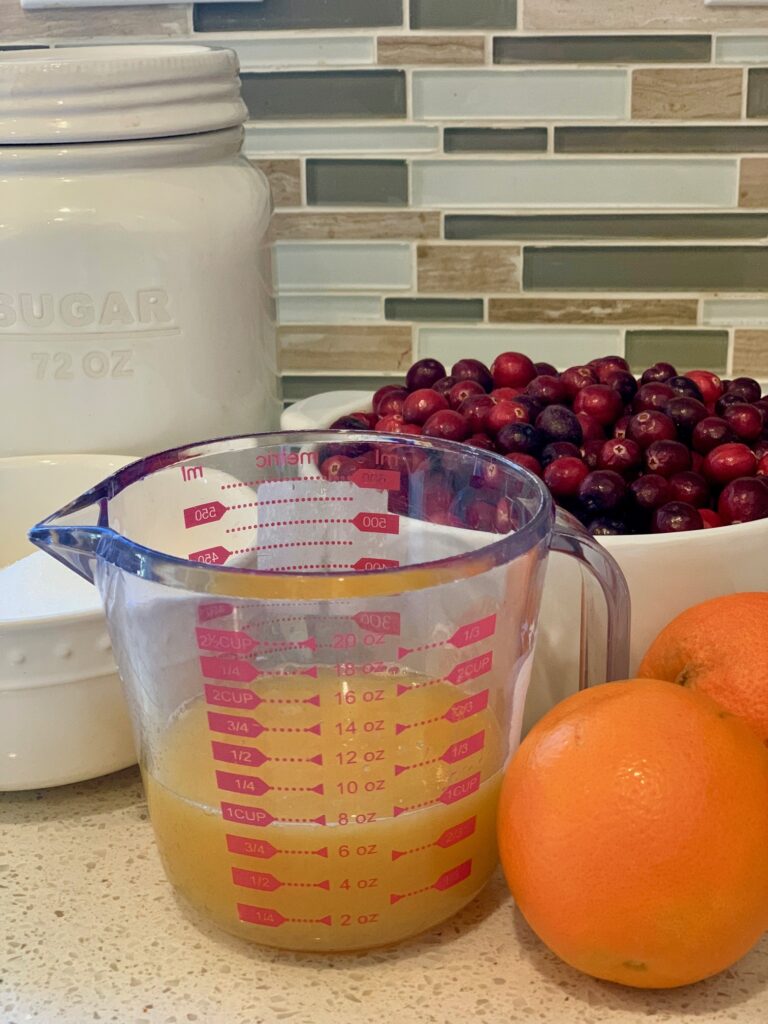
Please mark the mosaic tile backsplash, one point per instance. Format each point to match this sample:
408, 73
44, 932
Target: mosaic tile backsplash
457, 177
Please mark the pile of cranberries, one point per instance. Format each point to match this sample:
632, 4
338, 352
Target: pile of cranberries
663, 453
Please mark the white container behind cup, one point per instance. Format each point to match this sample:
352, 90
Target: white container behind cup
135, 295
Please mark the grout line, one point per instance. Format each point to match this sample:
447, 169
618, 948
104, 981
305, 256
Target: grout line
744, 92
729, 351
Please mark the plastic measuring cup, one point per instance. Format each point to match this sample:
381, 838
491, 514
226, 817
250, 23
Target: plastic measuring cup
325, 640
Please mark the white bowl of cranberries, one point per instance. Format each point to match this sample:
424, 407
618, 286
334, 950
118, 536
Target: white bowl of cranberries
668, 470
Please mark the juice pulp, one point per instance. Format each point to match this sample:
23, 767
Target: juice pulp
363, 813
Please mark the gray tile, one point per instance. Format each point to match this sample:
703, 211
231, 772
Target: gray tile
601, 49
686, 350
495, 140
463, 14
737, 268
284, 95
433, 309
296, 14
296, 386
561, 227
700, 139
757, 94
357, 182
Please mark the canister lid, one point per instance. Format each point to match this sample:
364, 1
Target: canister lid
101, 93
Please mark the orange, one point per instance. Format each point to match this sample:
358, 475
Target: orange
719, 647
633, 830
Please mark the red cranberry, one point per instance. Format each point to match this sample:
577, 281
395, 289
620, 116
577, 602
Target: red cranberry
421, 404
591, 429
746, 388
546, 369
476, 408
649, 426
461, 390
744, 500
746, 421
689, 487
650, 491
667, 458
444, 385
338, 467
652, 396
559, 450
448, 424
577, 377
607, 526
502, 414
729, 462
392, 404
709, 384
409, 428
762, 465
620, 427
368, 417
481, 441
677, 517
382, 393
549, 390
685, 413
622, 456
355, 421
711, 432
512, 370
658, 372
564, 476
623, 382
528, 462
710, 518
599, 401
473, 369
390, 424
505, 394
591, 453
604, 365
423, 374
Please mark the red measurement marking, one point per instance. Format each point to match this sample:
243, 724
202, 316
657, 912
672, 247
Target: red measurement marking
265, 850
242, 814
453, 834
457, 712
243, 725
374, 563
309, 644
270, 480
384, 623
244, 672
472, 669
254, 786
210, 556
293, 544
231, 641
455, 792
447, 880
376, 479
233, 753
472, 633
236, 697
273, 918
199, 515
376, 522
216, 610
265, 882
458, 751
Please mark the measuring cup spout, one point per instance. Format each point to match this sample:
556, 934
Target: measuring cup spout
72, 535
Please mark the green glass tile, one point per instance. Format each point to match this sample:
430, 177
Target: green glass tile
283, 95
296, 386
561, 227
686, 350
601, 49
661, 139
737, 268
757, 94
433, 309
296, 14
357, 182
495, 140
463, 14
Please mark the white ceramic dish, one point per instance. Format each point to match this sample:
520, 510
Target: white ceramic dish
62, 713
666, 574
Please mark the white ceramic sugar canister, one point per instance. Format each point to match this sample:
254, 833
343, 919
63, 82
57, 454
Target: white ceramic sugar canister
135, 285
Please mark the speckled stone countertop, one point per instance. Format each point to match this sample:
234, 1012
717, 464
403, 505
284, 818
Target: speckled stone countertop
92, 932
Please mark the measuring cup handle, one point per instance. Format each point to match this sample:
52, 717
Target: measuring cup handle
570, 538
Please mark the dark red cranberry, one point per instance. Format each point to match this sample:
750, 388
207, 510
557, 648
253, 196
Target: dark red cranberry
546, 369
744, 500
746, 421
549, 390
667, 458
476, 409
558, 423
577, 377
685, 413
649, 491
711, 432
623, 382
685, 387
649, 426
473, 369
461, 390
602, 490
423, 374
559, 450
689, 487
622, 456
658, 372
746, 387
444, 385
521, 437
677, 517
652, 396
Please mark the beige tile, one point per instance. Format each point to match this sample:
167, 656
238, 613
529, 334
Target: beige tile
417, 50
686, 93
659, 312
366, 348
753, 182
284, 180
750, 354
606, 15
400, 224
92, 23
469, 268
